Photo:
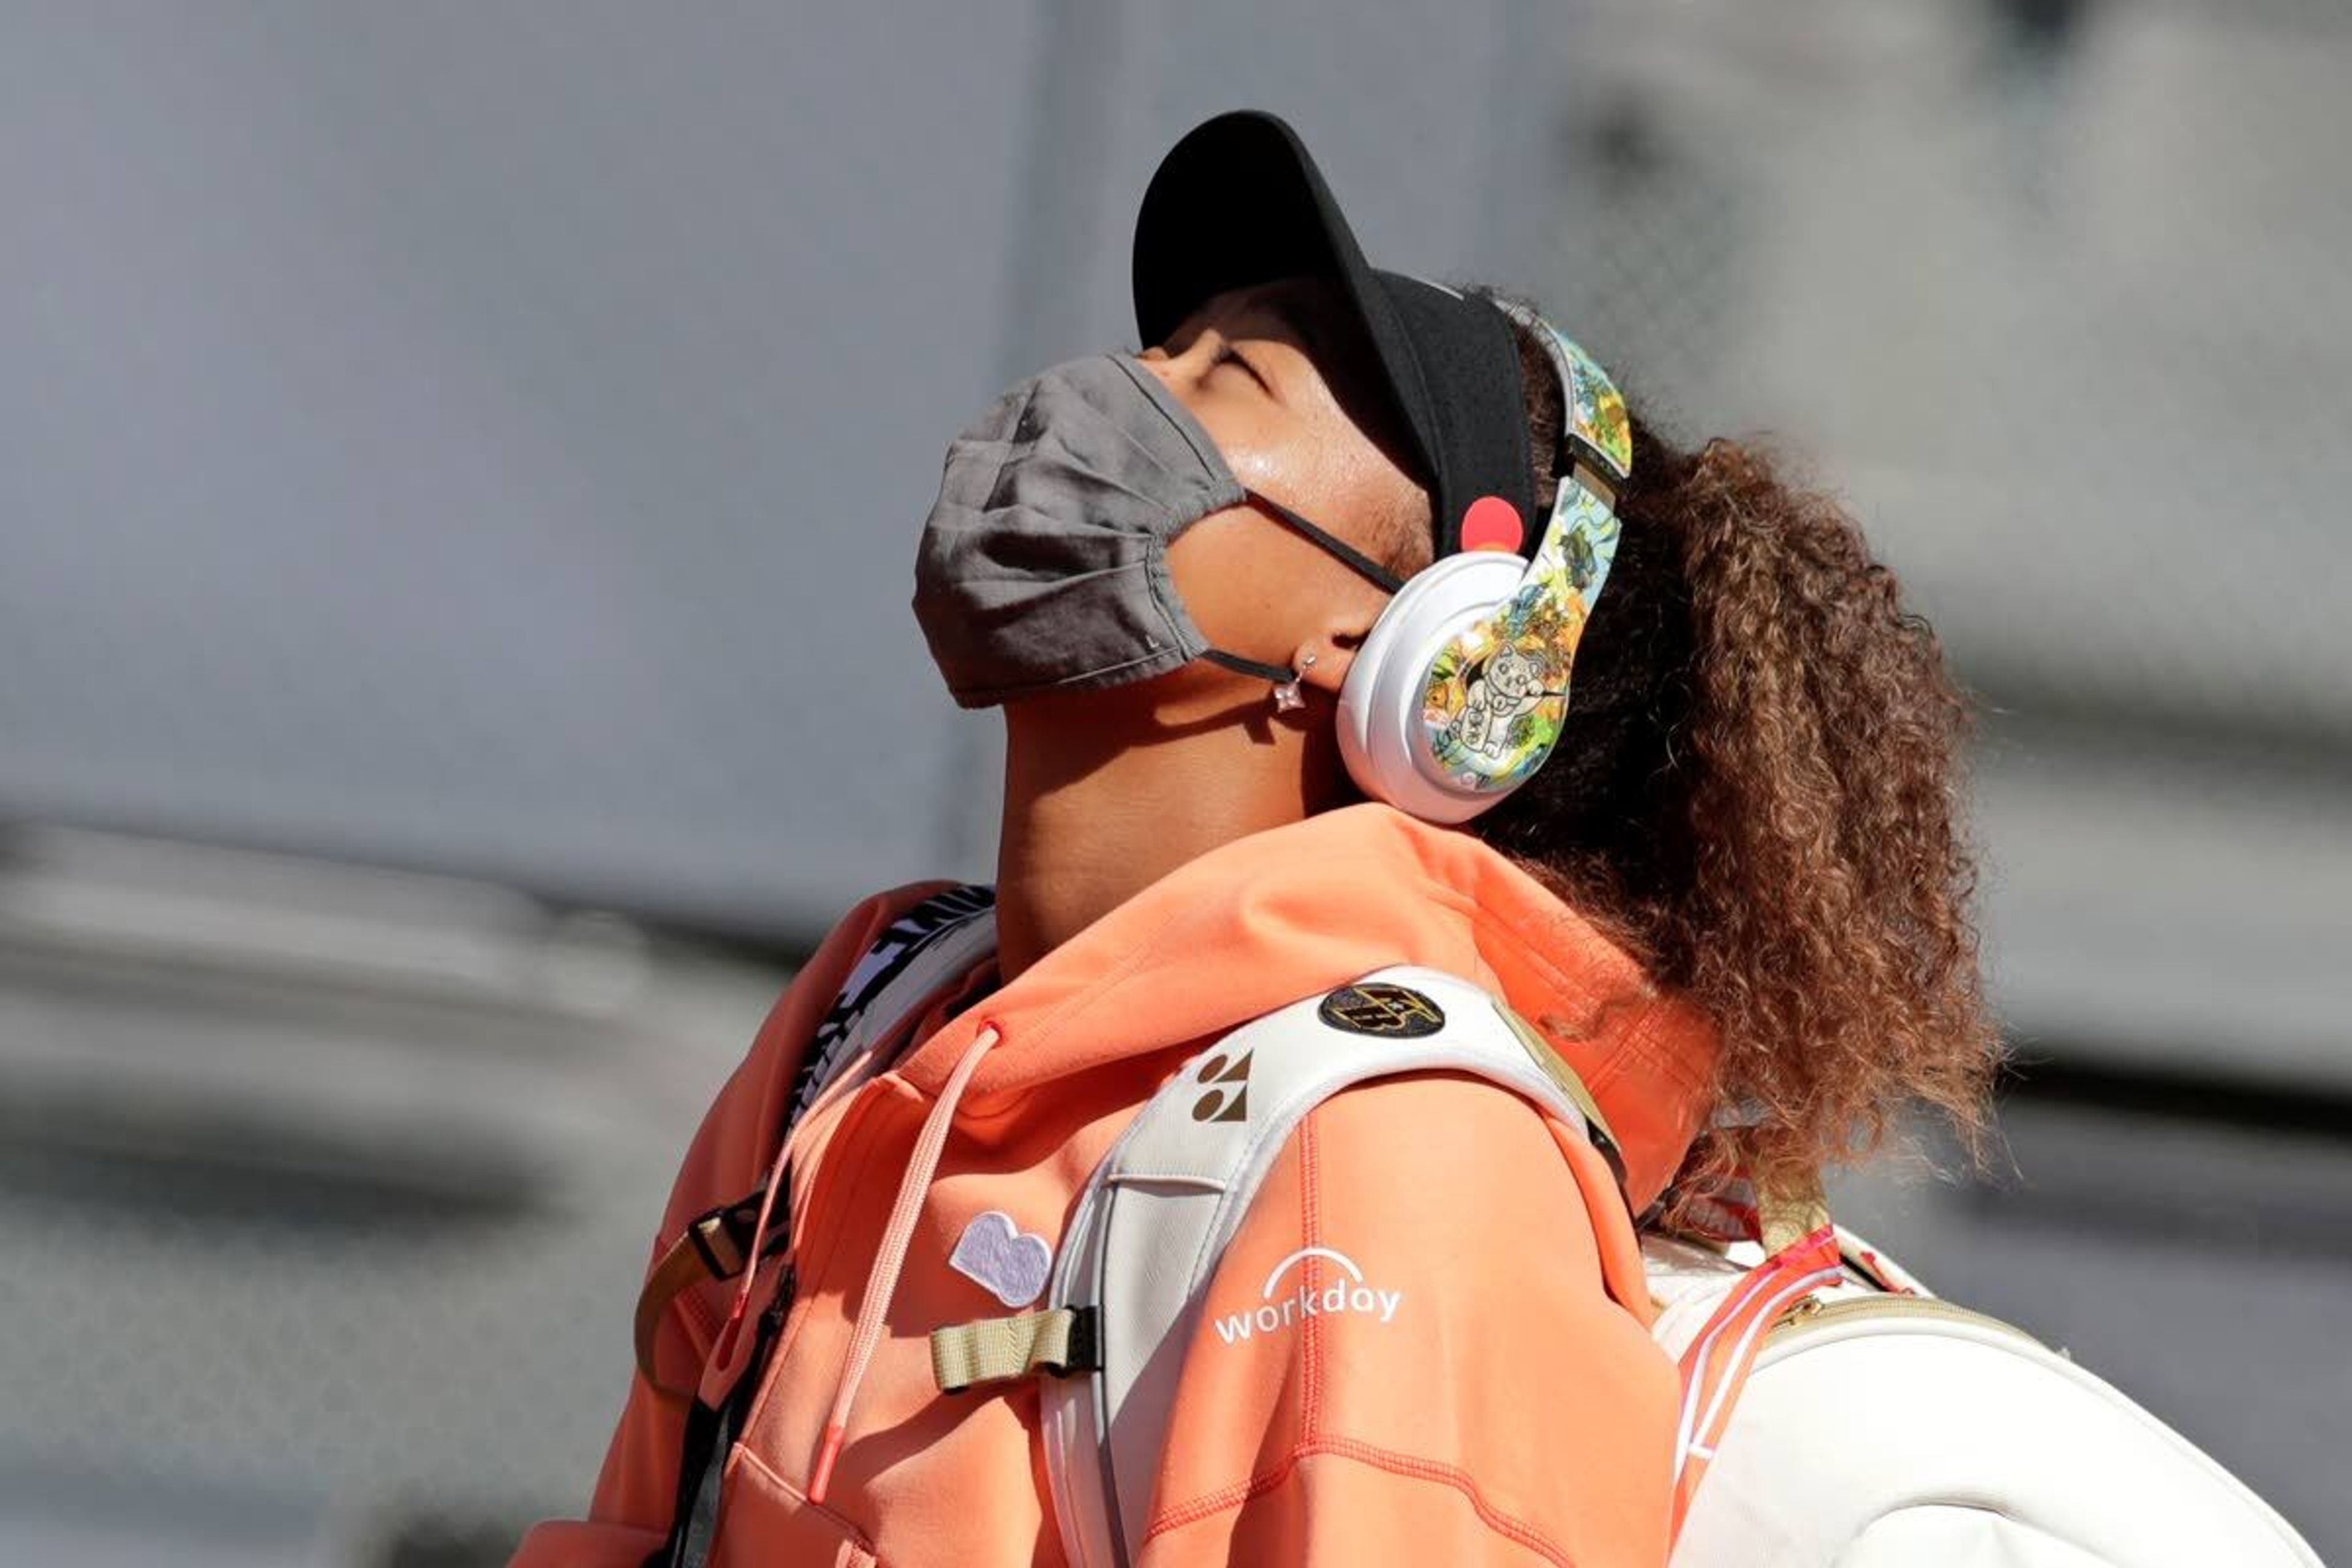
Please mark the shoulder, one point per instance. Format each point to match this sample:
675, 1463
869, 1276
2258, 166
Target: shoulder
731, 1153
1415, 1318
1466, 1180
1411, 1094
1440, 1139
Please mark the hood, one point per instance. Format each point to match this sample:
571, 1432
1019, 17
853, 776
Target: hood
1277, 916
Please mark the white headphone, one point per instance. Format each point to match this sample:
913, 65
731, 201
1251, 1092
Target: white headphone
1458, 695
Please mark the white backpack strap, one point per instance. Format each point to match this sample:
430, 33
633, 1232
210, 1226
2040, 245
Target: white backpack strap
1157, 1215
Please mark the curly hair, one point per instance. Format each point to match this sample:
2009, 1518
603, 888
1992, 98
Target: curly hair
1758, 791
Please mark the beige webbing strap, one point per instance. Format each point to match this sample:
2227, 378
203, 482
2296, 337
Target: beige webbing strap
1554, 1068
995, 1350
708, 1250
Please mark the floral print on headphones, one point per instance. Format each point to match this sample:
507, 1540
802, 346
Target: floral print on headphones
1497, 694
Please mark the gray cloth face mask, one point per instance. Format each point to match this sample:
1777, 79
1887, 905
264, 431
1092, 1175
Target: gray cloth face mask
1044, 563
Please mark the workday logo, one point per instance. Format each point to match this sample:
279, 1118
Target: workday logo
1349, 1293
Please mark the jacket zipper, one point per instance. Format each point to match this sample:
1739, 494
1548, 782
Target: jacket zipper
704, 1461
821, 1185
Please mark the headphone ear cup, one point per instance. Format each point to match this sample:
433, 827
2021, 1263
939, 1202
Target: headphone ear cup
1382, 737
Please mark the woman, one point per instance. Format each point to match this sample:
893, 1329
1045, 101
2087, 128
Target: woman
1732, 895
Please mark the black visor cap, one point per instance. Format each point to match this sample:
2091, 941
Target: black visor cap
1239, 202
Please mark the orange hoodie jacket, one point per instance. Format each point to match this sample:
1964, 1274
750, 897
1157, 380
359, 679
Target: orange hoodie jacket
1511, 1409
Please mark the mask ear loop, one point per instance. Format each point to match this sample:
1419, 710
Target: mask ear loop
1331, 544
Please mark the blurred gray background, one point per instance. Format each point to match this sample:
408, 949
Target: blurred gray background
459, 467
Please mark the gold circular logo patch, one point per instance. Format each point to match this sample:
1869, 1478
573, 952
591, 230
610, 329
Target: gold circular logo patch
1378, 1008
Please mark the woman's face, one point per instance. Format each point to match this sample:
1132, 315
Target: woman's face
1275, 376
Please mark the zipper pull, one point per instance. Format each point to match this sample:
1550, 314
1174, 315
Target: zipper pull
1800, 1309
788, 1287
772, 1318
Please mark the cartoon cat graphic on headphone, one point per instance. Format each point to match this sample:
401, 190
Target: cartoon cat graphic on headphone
1513, 680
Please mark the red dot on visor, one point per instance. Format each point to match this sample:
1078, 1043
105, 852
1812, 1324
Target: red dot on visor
1492, 523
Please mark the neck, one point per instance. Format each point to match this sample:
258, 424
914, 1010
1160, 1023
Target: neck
1105, 793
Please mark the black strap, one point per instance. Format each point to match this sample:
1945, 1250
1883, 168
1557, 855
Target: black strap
732, 1224
1331, 544
695, 1515
1236, 663
710, 1434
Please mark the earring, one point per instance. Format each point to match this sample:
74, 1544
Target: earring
1287, 696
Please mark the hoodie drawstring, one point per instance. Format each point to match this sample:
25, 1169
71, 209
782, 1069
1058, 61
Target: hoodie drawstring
777, 1184
890, 1261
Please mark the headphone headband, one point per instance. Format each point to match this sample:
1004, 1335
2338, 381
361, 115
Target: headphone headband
1595, 427
1447, 718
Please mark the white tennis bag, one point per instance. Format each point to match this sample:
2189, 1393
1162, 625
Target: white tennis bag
1875, 1427
1885, 1428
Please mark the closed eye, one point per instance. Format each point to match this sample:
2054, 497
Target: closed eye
1227, 353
